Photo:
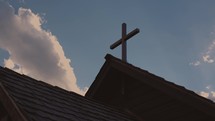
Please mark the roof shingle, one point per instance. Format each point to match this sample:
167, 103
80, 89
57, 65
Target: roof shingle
39, 101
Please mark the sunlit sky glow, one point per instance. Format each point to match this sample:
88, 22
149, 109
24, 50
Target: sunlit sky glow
176, 39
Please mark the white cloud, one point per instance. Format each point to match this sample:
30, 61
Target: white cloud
213, 94
210, 95
204, 94
32, 50
211, 47
207, 59
9, 63
197, 63
207, 56
208, 87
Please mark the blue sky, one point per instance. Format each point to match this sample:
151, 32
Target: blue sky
175, 40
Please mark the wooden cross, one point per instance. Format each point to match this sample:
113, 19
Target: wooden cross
123, 40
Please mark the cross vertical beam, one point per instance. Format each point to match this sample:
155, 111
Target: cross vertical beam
124, 45
123, 40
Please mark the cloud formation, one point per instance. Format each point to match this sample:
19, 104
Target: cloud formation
196, 63
32, 50
210, 95
204, 94
207, 57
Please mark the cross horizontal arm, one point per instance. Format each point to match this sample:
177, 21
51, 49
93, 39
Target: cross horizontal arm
128, 36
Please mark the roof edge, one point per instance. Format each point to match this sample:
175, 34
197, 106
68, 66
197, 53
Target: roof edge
12, 109
94, 86
192, 96
108, 56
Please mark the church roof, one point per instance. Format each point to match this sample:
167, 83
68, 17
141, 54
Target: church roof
27, 99
147, 96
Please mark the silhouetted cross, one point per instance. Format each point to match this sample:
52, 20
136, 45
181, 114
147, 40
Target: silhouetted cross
123, 40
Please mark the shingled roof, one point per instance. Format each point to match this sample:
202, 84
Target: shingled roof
147, 96
27, 99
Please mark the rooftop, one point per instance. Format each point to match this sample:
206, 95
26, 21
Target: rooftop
33, 100
147, 96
